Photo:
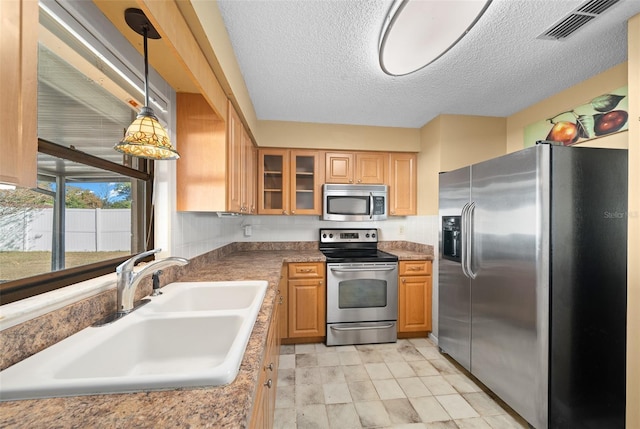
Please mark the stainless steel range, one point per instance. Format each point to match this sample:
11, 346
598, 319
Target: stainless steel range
362, 288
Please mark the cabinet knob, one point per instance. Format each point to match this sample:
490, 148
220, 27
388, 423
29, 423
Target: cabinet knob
293, 212
284, 212
393, 212
359, 180
350, 181
404, 280
281, 299
269, 383
269, 367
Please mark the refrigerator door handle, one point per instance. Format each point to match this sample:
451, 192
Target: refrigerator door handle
463, 256
471, 210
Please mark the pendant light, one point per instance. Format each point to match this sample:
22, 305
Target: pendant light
145, 137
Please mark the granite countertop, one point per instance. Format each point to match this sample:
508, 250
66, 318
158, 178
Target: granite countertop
227, 406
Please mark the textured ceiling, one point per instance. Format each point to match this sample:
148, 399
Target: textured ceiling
317, 60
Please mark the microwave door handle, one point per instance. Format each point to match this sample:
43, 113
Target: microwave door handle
371, 205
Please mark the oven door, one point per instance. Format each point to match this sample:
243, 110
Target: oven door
362, 292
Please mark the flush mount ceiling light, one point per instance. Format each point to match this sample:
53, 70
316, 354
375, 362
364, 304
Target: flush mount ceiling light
418, 32
145, 137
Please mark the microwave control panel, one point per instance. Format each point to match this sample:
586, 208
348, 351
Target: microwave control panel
378, 206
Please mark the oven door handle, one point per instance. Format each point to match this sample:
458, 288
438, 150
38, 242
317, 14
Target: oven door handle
353, 270
360, 328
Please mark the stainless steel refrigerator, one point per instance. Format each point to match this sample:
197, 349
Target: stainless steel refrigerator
532, 281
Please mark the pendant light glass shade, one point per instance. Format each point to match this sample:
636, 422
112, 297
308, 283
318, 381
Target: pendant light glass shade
145, 137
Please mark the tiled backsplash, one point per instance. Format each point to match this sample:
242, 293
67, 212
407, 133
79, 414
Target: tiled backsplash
197, 233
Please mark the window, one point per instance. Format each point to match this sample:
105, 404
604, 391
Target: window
92, 206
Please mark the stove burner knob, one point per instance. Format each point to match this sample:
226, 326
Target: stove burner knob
330, 235
367, 235
324, 235
373, 236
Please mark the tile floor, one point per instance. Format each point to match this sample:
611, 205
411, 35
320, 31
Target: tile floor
407, 384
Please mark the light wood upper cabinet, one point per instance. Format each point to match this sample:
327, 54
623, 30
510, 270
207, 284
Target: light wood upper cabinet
216, 170
234, 160
414, 296
273, 184
18, 86
242, 161
339, 167
403, 184
248, 189
355, 167
371, 168
306, 182
201, 170
290, 182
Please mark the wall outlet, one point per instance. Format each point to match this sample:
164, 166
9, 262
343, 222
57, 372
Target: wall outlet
247, 230
401, 230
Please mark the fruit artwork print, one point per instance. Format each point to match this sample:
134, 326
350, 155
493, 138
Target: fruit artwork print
603, 115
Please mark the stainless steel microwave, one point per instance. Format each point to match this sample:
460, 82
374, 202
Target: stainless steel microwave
354, 202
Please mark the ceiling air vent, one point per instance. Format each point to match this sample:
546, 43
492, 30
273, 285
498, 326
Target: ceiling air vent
568, 25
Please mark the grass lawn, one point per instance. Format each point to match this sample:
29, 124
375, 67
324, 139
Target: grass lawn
17, 265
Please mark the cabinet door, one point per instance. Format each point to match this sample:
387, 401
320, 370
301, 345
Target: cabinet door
18, 86
307, 303
249, 175
339, 167
200, 171
370, 167
283, 302
264, 404
403, 183
273, 184
414, 297
306, 184
234, 160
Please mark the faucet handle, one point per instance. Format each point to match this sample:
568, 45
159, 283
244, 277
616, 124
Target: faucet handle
129, 263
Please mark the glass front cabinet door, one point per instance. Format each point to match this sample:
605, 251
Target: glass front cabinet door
289, 182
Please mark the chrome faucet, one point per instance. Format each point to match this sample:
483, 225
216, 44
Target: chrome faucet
128, 280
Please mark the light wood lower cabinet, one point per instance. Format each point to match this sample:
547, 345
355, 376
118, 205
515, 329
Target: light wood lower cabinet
414, 296
283, 303
307, 300
265, 402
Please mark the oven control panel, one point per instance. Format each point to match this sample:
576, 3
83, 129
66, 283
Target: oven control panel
352, 235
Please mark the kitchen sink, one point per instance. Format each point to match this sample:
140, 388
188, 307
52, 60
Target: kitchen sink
194, 334
199, 296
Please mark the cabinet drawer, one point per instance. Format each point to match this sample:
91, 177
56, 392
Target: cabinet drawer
306, 270
415, 268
